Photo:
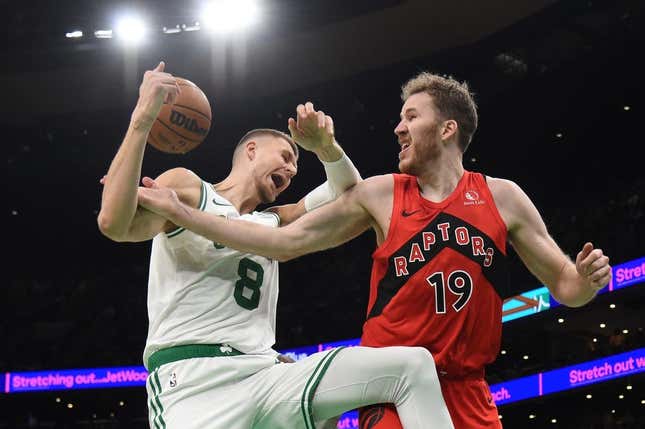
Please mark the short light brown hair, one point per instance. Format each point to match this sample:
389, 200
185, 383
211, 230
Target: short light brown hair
452, 99
263, 132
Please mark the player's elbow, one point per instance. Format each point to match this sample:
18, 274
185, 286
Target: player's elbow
570, 298
109, 228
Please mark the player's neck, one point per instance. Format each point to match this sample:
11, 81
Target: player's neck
440, 178
241, 193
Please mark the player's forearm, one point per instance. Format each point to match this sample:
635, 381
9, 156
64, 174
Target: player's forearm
119, 198
240, 235
570, 288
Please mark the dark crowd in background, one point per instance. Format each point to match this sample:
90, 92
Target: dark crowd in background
566, 128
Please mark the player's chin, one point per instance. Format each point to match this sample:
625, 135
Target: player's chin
405, 166
268, 196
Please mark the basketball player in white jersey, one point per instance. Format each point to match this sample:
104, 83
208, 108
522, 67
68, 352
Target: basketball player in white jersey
212, 309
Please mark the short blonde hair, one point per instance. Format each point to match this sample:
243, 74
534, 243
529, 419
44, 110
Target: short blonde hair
263, 132
452, 99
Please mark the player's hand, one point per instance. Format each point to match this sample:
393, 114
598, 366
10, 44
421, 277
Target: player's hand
312, 129
285, 359
157, 88
160, 200
593, 266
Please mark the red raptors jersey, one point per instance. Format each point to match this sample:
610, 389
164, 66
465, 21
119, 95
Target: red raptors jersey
439, 277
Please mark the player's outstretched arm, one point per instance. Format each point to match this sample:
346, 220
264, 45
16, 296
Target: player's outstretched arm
313, 130
329, 226
571, 283
119, 198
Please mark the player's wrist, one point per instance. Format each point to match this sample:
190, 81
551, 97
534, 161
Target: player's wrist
330, 153
143, 116
141, 122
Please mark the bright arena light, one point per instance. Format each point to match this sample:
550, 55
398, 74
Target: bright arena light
103, 34
226, 16
74, 34
131, 29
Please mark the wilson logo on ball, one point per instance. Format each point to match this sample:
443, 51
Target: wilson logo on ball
187, 123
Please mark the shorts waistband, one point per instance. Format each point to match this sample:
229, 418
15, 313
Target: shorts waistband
188, 351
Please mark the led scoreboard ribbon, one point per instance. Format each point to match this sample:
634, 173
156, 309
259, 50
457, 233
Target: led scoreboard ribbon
528, 303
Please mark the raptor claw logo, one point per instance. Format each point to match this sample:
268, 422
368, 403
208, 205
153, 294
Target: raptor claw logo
370, 417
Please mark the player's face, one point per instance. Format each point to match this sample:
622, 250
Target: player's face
418, 133
276, 166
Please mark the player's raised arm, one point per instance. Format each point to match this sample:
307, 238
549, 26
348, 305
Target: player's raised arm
119, 198
329, 226
313, 130
571, 283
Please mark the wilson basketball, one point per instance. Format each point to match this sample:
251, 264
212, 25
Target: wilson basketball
184, 125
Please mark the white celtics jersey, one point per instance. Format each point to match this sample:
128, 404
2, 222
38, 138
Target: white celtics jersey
200, 292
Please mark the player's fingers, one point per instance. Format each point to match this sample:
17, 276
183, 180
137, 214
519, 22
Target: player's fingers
320, 116
160, 67
599, 263
329, 124
591, 258
149, 182
586, 258
293, 128
172, 91
600, 273
602, 282
300, 110
586, 249
309, 107
102, 181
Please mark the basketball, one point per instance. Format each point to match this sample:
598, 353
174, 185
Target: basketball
184, 125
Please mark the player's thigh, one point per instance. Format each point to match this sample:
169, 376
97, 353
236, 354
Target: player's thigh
204, 393
285, 391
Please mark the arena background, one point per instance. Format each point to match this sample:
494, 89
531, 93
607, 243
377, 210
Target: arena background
560, 91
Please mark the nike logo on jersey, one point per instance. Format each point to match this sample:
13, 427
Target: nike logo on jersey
221, 204
406, 213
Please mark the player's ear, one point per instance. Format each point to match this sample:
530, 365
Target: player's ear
449, 129
251, 148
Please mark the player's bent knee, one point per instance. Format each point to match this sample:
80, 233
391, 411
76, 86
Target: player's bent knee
419, 361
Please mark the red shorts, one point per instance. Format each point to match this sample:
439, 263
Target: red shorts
469, 402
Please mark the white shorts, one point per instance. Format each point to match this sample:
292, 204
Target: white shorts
231, 392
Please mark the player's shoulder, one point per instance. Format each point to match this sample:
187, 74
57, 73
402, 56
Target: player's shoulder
185, 182
499, 185
372, 183
505, 192
179, 177
372, 189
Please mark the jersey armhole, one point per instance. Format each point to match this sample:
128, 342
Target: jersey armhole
495, 211
201, 207
397, 196
277, 217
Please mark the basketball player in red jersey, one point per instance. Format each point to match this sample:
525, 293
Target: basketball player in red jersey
441, 231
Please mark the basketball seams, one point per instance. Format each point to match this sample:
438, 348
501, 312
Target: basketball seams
175, 132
